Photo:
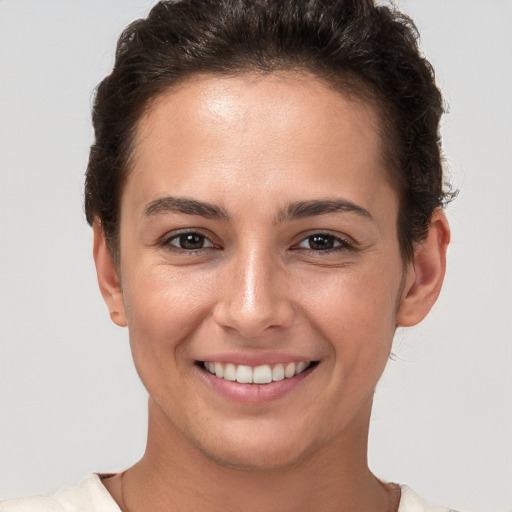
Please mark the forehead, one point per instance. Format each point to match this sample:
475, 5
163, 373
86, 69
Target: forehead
250, 100
289, 131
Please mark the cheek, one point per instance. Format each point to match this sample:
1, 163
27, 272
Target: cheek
163, 308
356, 313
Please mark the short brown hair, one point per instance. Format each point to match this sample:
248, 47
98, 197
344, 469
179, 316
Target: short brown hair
367, 50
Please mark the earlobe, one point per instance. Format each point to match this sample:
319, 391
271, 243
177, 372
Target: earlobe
425, 274
108, 277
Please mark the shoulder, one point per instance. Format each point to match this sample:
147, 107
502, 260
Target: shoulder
411, 502
87, 496
91, 496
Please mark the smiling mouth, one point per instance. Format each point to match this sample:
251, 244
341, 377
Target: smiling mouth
263, 374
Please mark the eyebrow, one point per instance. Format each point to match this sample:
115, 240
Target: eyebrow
186, 206
292, 211
301, 209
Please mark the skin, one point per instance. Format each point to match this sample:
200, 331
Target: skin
251, 146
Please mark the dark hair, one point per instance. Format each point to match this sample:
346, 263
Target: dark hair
365, 50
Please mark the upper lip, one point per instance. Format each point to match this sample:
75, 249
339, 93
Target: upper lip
255, 359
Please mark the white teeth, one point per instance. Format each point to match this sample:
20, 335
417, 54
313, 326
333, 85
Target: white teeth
300, 368
230, 372
244, 374
262, 374
219, 371
289, 371
278, 372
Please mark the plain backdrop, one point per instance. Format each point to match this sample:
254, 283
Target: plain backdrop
70, 400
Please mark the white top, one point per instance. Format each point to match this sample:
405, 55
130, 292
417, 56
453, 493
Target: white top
90, 495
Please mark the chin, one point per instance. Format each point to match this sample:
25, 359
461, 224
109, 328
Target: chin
255, 453
253, 461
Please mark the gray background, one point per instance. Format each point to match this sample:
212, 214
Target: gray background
70, 401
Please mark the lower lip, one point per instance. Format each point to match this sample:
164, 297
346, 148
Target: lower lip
254, 393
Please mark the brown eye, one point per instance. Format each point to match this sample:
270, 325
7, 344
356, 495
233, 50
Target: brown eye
321, 242
324, 242
190, 241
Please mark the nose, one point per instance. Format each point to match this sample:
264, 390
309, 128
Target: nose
254, 295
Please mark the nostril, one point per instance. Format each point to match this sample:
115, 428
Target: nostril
253, 320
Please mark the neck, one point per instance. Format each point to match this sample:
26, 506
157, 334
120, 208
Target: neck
175, 475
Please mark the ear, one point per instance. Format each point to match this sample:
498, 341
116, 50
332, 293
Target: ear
108, 277
425, 274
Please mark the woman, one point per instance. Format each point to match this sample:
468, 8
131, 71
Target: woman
265, 190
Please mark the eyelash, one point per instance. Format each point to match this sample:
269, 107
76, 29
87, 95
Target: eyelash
340, 244
167, 242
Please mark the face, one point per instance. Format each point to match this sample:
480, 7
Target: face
260, 269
